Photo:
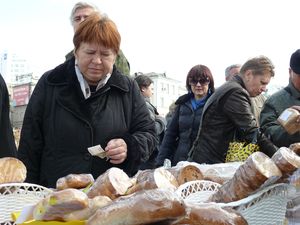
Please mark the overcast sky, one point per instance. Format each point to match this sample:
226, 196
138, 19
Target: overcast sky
162, 35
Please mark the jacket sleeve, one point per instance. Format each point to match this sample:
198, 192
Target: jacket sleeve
169, 143
31, 141
7, 142
238, 109
272, 129
160, 122
141, 139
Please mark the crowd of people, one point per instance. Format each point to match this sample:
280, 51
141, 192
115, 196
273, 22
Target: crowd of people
89, 104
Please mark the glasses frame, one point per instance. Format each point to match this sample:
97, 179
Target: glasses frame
202, 82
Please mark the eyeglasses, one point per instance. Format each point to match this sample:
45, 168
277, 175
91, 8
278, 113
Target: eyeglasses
202, 82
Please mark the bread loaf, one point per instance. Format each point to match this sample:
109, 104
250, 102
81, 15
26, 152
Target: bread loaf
74, 181
186, 173
59, 203
210, 214
143, 207
257, 170
295, 147
151, 179
12, 170
288, 119
286, 160
83, 214
113, 183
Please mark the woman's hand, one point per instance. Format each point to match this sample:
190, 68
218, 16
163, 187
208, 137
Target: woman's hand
116, 151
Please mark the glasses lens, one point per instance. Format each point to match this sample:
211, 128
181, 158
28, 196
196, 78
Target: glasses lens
203, 81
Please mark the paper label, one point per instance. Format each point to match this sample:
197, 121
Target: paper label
285, 115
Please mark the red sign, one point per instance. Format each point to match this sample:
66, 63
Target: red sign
21, 94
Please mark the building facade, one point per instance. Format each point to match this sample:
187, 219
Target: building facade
165, 91
14, 68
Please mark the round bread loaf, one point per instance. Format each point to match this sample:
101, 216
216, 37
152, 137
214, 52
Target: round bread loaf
12, 170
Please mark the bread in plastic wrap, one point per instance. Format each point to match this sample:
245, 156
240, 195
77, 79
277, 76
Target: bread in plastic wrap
288, 120
143, 207
59, 203
257, 170
84, 214
153, 178
210, 214
295, 147
286, 160
77, 181
113, 184
219, 172
12, 170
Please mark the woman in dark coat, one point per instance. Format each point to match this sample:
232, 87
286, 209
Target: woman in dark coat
7, 142
82, 103
228, 113
183, 127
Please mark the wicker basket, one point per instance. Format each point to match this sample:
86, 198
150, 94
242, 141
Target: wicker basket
14, 196
197, 191
267, 206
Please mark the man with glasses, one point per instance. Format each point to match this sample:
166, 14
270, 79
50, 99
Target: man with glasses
281, 100
80, 12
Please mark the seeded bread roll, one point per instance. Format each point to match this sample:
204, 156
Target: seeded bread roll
143, 207
257, 170
74, 181
186, 173
12, 170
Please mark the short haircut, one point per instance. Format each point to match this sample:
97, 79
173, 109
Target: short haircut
143, 81
258, 65
98, 29
202, 72
233, 66
82, 5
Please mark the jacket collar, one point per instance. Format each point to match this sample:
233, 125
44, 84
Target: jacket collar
68, 91
293, 90
184, 98
239, 80
65, 74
